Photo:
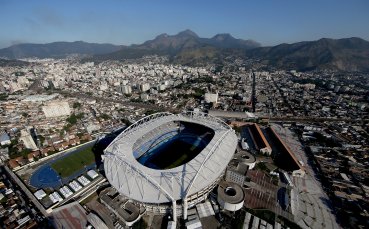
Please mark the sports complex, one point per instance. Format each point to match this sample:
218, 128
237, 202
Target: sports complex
170, 162
64, 168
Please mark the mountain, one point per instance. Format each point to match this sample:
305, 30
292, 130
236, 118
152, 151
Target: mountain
185, 39
188, 39
186, 47
180, 45
348, 54
225, 40
56, 49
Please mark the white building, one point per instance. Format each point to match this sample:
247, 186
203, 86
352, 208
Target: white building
93, 127
56, 109
4, 139
65, 191
145, 87
211, 98
145, 97
237, 175
75, 186
92, 174
40, 194
103, 86
126, 89
83, 180
162, 87
27, 140
55, 197
230, 196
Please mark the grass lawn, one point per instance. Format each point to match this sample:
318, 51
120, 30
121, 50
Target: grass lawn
74, 162
178, 162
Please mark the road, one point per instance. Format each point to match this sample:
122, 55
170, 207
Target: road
313, 119
26, 191
110, 99
253, 97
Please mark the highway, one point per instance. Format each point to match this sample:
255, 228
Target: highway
174, 110
313, 119
110, 99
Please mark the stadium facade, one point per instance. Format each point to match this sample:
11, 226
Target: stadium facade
170, 162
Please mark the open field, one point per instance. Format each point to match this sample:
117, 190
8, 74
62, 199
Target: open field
71, 163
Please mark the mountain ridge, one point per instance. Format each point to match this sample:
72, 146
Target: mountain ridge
59, 49
347, 54
186, 47
179, 44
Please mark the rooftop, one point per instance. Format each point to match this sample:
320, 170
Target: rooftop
161, 186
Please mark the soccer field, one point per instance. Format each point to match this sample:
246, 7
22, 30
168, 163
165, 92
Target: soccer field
74, 162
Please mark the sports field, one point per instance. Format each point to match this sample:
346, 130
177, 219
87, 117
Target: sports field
174, 152
69, 164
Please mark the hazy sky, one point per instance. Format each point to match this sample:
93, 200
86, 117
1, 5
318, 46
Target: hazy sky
269, 22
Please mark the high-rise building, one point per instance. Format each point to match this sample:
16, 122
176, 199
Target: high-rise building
145, 87
126, 89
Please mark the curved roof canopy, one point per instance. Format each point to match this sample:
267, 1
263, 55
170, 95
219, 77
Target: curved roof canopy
143, 184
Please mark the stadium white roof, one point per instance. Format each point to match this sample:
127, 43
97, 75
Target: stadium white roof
144, 184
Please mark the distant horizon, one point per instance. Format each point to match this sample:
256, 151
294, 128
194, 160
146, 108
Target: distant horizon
176, 34
125, 23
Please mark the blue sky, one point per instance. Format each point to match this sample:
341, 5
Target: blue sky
269, 22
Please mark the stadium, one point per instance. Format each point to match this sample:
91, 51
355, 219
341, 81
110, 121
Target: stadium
170, 162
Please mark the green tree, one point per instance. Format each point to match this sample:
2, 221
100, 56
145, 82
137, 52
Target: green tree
3, 96
105, 116
67, 127
73, 118
25, 152
76, 105
42, 139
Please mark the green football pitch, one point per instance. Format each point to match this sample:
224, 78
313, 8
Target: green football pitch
74, 162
